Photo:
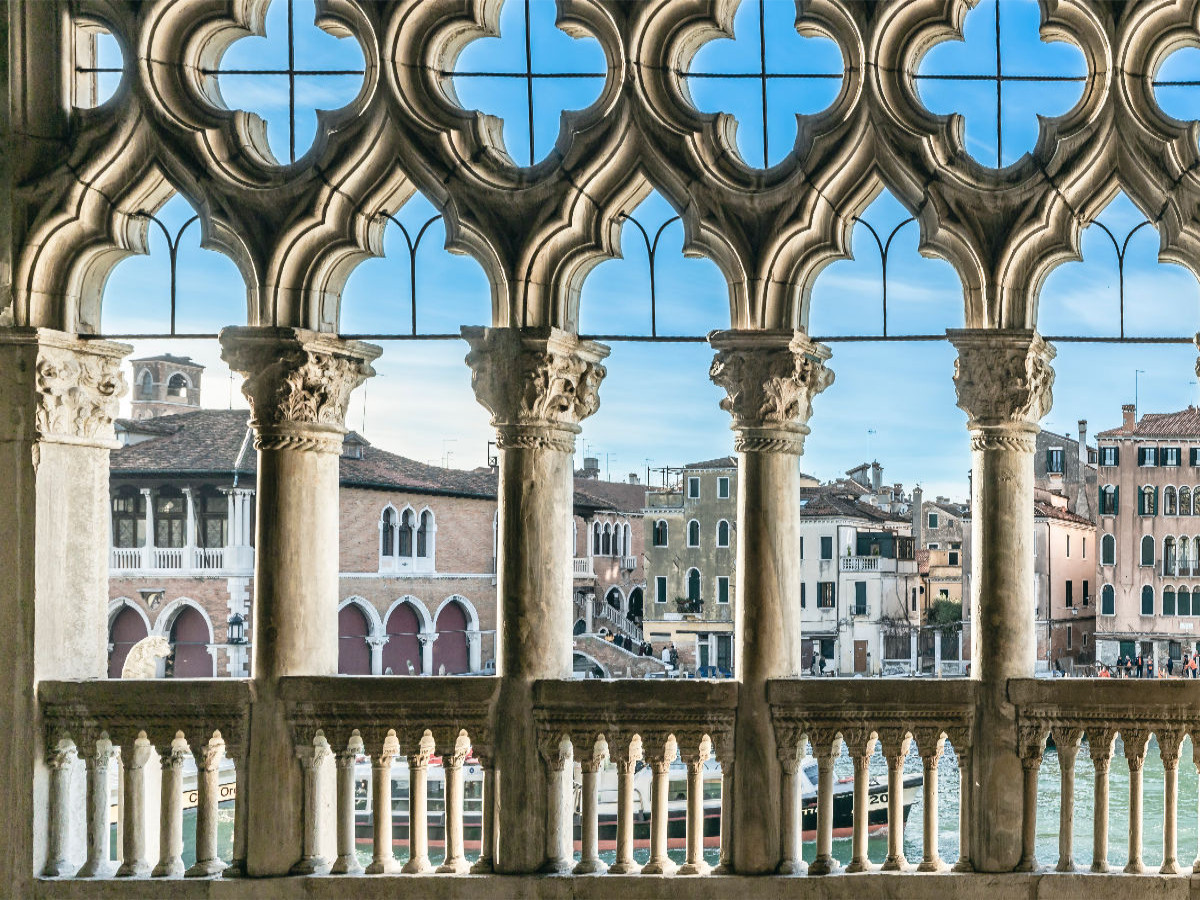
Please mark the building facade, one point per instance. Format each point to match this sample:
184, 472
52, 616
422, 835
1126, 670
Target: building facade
1065, 575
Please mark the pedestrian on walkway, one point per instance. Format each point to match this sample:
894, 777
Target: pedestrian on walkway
1170, 667
1141, 666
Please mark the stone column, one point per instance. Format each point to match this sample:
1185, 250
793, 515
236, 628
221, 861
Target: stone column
912, 650
788, 749
60, 760
538, 384
770, 378
1033, 745
895, 743
697, 749
298, 383
418, 807
135, 753
931, 745
826, 747
376, 642
208, 769
659, 753
383, 860
961, 740
99, 835
625, 756
170, 831
312, 757
1168, 747
1135, 742
556, 758
236, 754
591, 763
484, 865
861, 745
347, 860
1004, 380
723, 751
189, 530
148, 547
452, 762
1066, 741
1100, 748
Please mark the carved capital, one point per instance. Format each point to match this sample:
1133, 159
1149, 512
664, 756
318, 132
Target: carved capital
298, 383
1170, 740
56, 388
1136, 741
1004, 382
1067, 741
894, 742
1032, 742
930, 743
1100, 745
538, 384
208, 755
769, 378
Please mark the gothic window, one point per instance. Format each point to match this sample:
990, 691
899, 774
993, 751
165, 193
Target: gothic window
170, 518
387, 533
693, 533
1147, 500
1108, 550
404, 545
1108, 601
628, 538
1183, 555
177, 386
425, 535
596, 539
660, 533
1170, 507
693, 585
1183, 603
606, 541
1108, 500
1168, 556
723, 533
1168, 601
146, 386
129, 518
212, 513
1185, 501
1147, 600
613, 598
1147, 550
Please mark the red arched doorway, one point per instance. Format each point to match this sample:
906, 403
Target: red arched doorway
402, 652
450, 648
354, 653
189, 640
126, 630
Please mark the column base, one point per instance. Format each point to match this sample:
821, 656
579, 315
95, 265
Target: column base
417, 865
135, 869
95, 870
557, 867
660, 867
1065, 865
1027, 865
57, 868
824, 865
346, 865
895, 864
482, 866
389, 866
932, 865
310, 865
457, 866
859, 865
790, 867
171, 868
624, 868
1134, 867
236, 869
697, 868
724, 869
963, 865
205, 868
1100, 866
589, 867
1169, 867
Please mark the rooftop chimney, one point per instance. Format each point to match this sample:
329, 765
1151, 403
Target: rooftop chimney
876, 477
633, 478
917, 519
591, 467
1083, 454
1128, 412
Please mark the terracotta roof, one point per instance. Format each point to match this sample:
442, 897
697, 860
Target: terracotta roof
1046, 511
619, 496
824, 502
1185, 423
957, 510
167, 357
721, 462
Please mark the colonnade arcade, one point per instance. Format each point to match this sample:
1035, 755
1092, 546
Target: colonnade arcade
75, 179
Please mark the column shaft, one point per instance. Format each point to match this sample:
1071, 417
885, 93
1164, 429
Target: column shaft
859, 861
347, 860
456, 862
1100, 814
659, 863
1066, 809
1170, 864
484, 864
99, 835
208, 768
931, 755
624, 864
418, 814
824, 863
896, 861
170, 841
589, 857
383, 860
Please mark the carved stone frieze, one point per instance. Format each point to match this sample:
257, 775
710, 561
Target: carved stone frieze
538, 384
769, 379
298, 383
1004, 382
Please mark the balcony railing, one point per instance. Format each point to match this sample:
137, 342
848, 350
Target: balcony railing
863, 564
181, 559
582, 567
629, 563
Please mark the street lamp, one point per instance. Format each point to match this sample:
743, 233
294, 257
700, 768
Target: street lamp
237, 629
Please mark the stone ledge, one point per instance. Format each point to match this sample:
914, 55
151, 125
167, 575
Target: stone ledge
1042, 886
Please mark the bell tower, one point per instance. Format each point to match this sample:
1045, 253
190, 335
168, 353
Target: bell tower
163, 385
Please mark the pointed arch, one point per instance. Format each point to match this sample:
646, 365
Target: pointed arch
189, 630
127, 624
408, 629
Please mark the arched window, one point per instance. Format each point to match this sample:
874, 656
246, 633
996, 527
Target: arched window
407, 527
1147, 501
636, 601
177, 386
1184, 602
693, 534
1108, 550
1147, 600
354, 653
387, 532
596, 539
402, 652
693, 585
1147, 550
450, 651
189, 639
1185, 501
146, 386
1108, 500
1168, 557
1108, 601
1170, 507
723, 533
660, 533
129, 518
425, 535
580, 627
606, 541
1183, 556
613, 598
1168, 600
127, 628
170, 518
628, 540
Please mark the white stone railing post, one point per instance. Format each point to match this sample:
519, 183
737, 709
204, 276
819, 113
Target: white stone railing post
591, 764
418, 806
696, 752
312, 758
383, 860
659, 754
788, 748
895, 743
100, 755
61, 760
626, 754
1033, 745
298, 383
347, 859
538, 384
1003, 380
861, 746
1100, 748
170, 830
769, 378
826, 746
1169, 742
931, 745
208, 758
723, 751
452, 762
1136, 741
135, 753
241, 806
556, 758
485, 865
1066, 742
961, 740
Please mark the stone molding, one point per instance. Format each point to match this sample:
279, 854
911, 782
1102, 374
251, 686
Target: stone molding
1004, 383
58, 388
298, 383
538, 384
769, 379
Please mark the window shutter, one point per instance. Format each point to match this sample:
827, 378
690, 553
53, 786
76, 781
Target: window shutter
1116, 499
1116, 455
1049, 460
1154, 508
1141, 501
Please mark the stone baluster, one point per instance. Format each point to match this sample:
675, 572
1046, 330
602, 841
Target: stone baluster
60, 760
931, 745
452, 762
1066, 742
1003, 380
556, 758
100, 756
1169, 743
383, 860
418, 806
1136, 741
861, 746
135, 753
769, 378
484, 865
788, 748
538, 384
826, 746
961, 739
298, 383
723, 750
236, 754
208, 795
895, 743
170, 829
312, 757
625, 754
660, 752
1033, 745
1100, 748
591, 764
698, 749
347, 859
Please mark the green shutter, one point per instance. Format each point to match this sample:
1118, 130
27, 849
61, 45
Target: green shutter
1154, 508
1116, 499
1116, 456
1049, 458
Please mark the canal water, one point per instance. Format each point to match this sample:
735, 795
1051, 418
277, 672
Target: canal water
1048, 812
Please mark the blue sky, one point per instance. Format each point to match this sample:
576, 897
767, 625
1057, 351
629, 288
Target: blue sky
893, 402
